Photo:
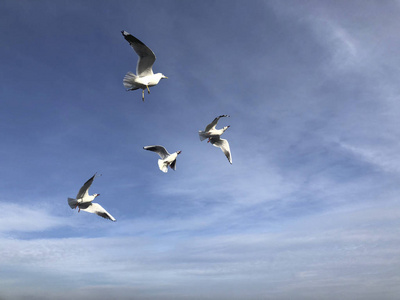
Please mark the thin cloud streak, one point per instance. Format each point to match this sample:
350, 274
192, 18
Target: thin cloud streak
326, 253
28, 218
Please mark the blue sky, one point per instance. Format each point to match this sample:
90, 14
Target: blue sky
309, 209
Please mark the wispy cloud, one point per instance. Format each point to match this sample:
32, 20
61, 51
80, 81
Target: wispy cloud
318, 253
381, 156
344, 48
28, 218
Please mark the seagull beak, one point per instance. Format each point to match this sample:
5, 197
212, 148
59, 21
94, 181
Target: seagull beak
165, 77
179, 152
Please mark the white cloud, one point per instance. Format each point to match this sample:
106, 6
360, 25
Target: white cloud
28, 218
343, 45
382, 156
341, 249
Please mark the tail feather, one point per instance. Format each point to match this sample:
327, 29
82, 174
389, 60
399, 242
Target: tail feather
163, 167
72, 203
129, 81
202, 135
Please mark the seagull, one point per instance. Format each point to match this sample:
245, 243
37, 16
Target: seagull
214, 137
144, 73
166, 158
84, 201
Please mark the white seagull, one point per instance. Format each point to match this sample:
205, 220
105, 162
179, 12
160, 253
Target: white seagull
214, 137
84, 201
166, 158
144, 73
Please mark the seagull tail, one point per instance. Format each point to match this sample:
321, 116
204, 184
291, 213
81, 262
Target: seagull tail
202, 135
129, 81
163, 167
72, 203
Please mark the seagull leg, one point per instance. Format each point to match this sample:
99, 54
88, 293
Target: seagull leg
148, 90
79, 209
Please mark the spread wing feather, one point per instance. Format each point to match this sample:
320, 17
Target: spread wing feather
160, 150
173, 165
97, 209
146, 56
84, 191
214, 123
224, 145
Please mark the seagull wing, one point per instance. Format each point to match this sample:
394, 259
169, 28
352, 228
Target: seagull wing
224, 145
97, 209
214, 123
173, 165
160, 150
84, 191
146, 56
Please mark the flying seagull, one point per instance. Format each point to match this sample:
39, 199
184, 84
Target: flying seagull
214, 137
166, 158
144, 77
84, 201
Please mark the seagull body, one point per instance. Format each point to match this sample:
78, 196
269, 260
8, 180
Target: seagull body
144, 77
166, 158
214, 137
84, 201
211, 131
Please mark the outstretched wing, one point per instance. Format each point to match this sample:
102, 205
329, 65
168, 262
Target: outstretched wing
224, 145
173, 165
146, 56
214, 123
97, 209
84, 191
160, 150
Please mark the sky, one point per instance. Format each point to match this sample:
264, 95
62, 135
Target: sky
309, 209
